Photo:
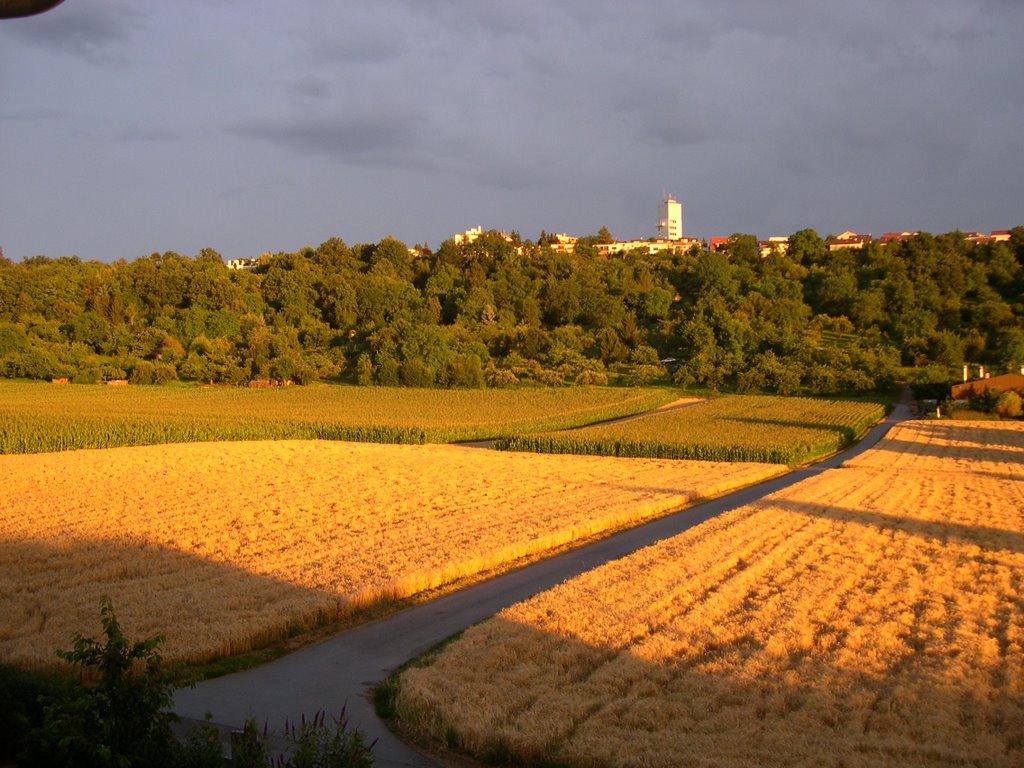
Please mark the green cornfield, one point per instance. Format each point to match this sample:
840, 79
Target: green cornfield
778, 430
36, 418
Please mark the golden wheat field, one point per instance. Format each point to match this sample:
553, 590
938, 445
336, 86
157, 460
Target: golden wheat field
220, 545
871, 615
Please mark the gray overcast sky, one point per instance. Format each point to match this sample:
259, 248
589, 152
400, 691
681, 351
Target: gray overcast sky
134, 126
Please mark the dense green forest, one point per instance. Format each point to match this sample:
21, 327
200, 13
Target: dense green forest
500, 312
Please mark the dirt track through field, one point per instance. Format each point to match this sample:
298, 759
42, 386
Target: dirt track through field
343, 670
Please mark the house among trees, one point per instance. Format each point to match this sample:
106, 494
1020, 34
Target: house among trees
562, 243
473, 234
650, 247
980, 238
847, 240
247, 264
895, 237
775, 243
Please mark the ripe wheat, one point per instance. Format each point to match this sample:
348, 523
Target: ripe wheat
225, 546
870, 615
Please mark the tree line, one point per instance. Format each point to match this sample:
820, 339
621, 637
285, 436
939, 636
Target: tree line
500, 311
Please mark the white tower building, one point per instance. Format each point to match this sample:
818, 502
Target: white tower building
670, 219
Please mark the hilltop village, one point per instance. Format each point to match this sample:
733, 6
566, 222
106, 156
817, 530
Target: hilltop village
670, 238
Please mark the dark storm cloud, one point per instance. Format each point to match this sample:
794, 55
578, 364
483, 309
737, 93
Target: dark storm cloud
763, 117
147, 135
94, 30
311, 88
663, 110
490, 167
384, 139
360, 34
34, 115
401, 141
499, 20
676, 127
352, 50
518, 95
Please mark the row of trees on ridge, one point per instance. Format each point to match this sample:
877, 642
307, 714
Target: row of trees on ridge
501, 312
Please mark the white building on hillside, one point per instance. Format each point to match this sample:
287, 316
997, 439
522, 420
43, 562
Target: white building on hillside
469, 236
670, 219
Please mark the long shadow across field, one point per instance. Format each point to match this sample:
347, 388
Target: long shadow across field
985, 537
344, 669
562, 697
990, 434
979, 453
154, 589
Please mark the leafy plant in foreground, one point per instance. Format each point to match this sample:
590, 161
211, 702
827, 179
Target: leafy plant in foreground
116, 715
122, 719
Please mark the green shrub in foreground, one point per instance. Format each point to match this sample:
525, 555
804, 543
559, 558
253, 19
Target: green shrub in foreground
117, 715
120, 720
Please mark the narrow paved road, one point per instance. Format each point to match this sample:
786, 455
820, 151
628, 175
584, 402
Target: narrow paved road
344, 669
